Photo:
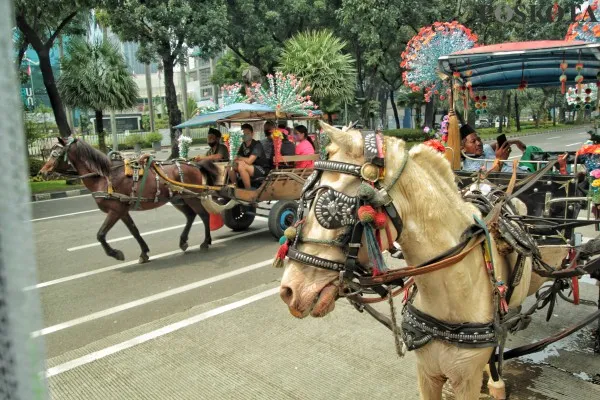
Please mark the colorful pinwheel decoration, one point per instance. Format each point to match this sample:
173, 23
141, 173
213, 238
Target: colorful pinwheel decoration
420, 58
233, 94
583, 28
285, 94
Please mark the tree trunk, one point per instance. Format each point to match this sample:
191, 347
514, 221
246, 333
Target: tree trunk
508, 110
52, 90
430, 112
149, 92
171, 103
395, 109
517, 116
329, 118
100, 131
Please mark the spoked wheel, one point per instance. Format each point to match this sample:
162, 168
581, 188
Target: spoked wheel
282, 216
239, 218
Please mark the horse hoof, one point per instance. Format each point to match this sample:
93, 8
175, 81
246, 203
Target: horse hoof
183, 246
118, 254
204, 246
497, 389
143, 259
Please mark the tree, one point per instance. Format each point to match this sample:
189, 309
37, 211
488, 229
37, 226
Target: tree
95, 76
317, 58
257, 30
229, 70
40, 22
165, 31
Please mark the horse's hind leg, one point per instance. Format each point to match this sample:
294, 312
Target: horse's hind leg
128, 221
196, 205
190, 216
111, 218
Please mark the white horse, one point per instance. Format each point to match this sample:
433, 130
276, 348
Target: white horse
434, 216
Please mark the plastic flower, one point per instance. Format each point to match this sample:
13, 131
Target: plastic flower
277, 134
596, 183
595, 173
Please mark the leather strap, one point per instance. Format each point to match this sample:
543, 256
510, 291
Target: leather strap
414, 271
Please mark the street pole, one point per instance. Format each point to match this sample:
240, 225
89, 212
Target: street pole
113, 119
184, 94
149, 93
22, 364
68, 110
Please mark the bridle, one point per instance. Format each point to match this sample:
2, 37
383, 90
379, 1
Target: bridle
336, 210
60, 154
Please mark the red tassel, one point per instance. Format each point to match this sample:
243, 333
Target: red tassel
563, 87
380, 220
283, 250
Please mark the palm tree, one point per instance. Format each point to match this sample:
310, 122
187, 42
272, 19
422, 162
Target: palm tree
96, 77
317, 58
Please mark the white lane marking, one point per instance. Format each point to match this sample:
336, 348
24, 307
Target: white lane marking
573, 144
97, 355
64, 215
149, 299
62, 198
86, 246
129, 263
553, 137
513, 157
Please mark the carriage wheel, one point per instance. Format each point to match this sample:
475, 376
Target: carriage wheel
239, 218
282, 216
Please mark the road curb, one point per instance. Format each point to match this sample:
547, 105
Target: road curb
59, 195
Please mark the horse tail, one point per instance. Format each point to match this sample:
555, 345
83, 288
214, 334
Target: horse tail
210, 170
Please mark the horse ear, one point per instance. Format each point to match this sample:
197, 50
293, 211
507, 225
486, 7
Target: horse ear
337, 136
61, 140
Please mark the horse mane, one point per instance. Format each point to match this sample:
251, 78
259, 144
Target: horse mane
94, 159
210, 170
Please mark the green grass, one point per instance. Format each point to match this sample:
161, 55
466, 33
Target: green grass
51, 186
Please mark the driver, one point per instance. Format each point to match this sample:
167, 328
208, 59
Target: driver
472, 146
217, 151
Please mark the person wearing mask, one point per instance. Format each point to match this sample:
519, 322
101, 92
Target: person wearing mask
251, 161
217, 151
304, 146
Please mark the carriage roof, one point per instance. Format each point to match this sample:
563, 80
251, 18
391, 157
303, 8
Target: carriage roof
244, 112
503, 66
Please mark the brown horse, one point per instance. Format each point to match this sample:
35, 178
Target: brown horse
96, 170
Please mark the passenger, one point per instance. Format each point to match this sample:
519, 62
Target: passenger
304, 146
473, 147
217, 151
251, 161
283, 128
288, 148
267, 142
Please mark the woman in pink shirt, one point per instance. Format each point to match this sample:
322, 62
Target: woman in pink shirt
304, 146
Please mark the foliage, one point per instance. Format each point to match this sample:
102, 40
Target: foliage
408, 135
35, 164
166, 30
95, 76
317, 58
228, 70
192, 107
257, 30
133, 139
40, 22
153, 137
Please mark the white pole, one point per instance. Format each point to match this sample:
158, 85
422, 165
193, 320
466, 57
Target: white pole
22, 360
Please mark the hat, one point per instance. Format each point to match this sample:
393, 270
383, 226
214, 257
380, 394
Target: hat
466, 130
213, 131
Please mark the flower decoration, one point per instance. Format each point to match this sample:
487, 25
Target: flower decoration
233, 143
595, 173
444, 128
286, 94
277, 137
436, 145
591, 95
232, 94
420, 58
184, 143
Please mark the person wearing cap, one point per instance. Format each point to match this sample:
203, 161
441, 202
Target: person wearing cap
217, 151
473, 147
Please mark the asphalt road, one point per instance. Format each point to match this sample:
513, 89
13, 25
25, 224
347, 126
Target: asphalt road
210, 325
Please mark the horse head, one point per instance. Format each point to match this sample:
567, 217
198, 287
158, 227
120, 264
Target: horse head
312, 280
59, 161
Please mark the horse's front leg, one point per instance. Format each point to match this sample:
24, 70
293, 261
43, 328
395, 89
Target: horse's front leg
190, 216
430, 386
111, 218
128, 221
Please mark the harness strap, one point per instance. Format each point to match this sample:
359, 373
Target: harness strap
414, 271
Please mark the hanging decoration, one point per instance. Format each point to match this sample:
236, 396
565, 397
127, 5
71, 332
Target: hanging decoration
523, 84
563, 77
579, 77
233, 143
184, 143
444, 128
420, 58
583, 28
277, 137
590, 155
232, 94
286, 94
587, 97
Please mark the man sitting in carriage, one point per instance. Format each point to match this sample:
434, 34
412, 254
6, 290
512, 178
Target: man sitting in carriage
251, 162
217, 151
